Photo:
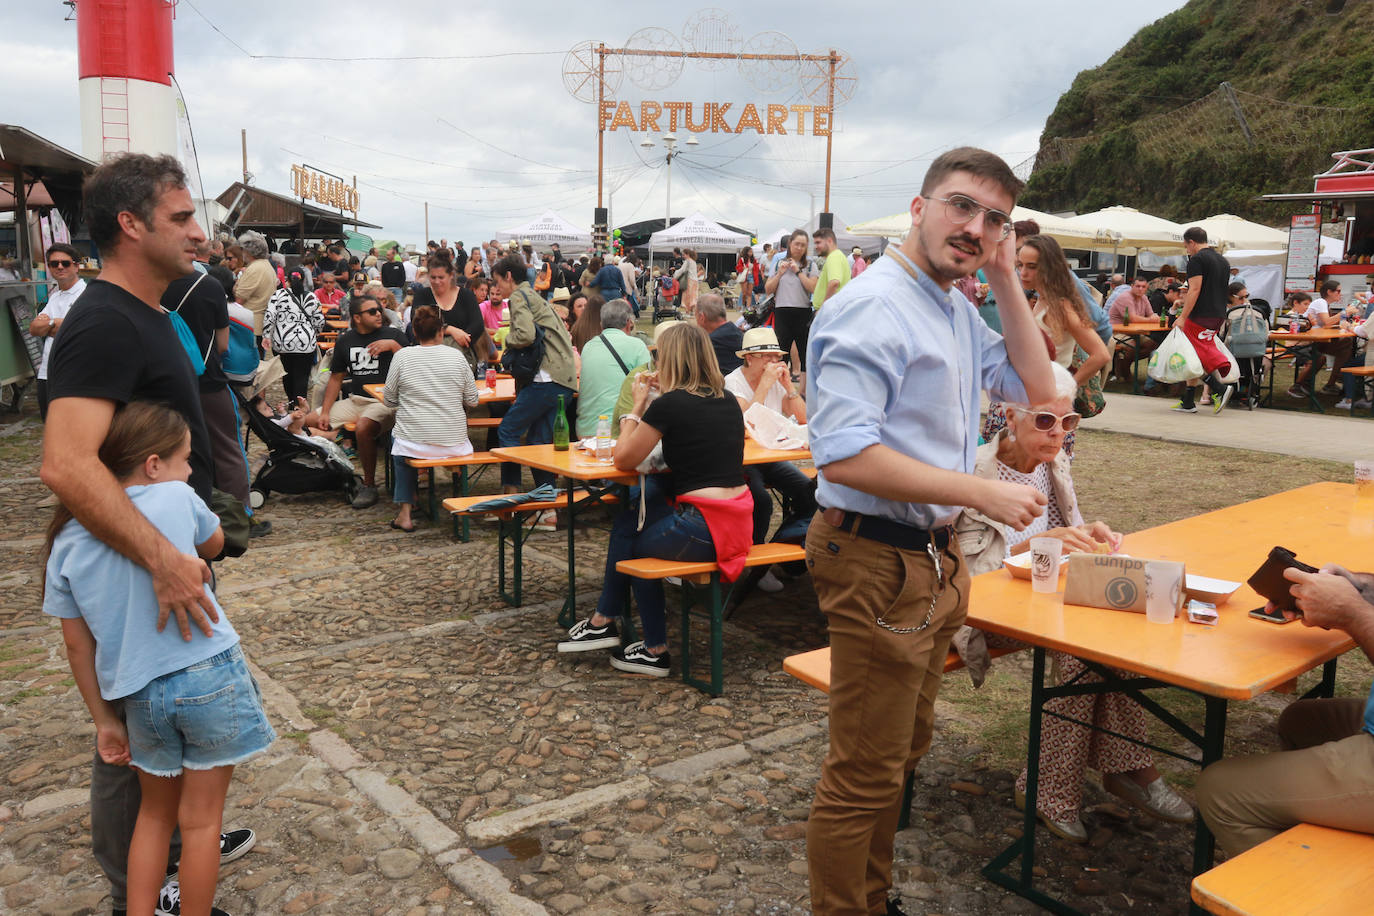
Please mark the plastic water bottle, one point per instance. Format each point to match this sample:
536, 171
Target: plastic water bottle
604, 443
560, 427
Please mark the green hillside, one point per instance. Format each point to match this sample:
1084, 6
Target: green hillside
1153, 128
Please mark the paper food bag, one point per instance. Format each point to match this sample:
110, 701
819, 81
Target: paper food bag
1116, 582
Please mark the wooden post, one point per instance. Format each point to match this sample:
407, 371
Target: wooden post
830, 134
600, 125
243, 140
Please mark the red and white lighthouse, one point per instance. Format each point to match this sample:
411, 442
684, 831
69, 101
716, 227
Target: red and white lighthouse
128, 102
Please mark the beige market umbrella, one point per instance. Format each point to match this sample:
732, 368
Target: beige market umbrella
1226, 231
1122, 228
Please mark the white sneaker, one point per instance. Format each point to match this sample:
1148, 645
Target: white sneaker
548, 521
1363, 404
770, 583
1344, 404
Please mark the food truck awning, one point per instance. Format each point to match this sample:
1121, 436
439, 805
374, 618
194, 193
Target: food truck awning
280, 215
1323, 195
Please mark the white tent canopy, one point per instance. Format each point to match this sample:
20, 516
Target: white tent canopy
1057, 227
546, 230
1226, 232
1124, 228
701, 235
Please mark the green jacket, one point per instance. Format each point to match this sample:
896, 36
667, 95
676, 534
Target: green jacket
526, 310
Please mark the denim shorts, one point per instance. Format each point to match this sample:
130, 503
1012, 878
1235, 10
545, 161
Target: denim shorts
204, 716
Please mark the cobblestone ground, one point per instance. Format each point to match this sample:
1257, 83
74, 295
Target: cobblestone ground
437, 756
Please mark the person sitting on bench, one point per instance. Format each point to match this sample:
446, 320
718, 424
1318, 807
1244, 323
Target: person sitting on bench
1029, 451
708, 519
1324, 772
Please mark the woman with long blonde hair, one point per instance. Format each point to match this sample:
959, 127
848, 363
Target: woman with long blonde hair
703, 512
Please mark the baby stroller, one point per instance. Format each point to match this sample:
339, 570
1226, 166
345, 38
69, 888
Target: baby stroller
295, 464
759, 313
665, 300
1246, 334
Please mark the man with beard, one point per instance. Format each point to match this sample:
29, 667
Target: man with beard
897, 360
834, 267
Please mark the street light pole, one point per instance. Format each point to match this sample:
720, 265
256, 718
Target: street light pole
670, 144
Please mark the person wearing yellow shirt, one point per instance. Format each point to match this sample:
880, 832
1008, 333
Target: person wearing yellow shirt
834, 267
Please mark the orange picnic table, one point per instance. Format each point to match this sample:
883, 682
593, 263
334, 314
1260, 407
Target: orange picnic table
580, 466
1280, 343
1138, 329
504, 393
1305, 871
1239, 658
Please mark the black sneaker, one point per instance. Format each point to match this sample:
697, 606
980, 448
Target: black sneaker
235, 844
365, 497
257, 529
636, 659
169, 902
583, 637
232, 845
894, 907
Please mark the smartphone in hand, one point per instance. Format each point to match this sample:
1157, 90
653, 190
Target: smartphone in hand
1277, 616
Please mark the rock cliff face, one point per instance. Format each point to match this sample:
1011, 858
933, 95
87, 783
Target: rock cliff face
1211, 106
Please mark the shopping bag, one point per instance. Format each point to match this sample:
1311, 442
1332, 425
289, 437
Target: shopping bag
1233, 374
1175, 360
771, 429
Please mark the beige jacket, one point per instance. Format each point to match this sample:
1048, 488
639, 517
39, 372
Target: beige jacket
984, 545
984, 541
526, 310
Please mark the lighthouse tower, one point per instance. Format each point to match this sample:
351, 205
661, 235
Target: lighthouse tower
128, 103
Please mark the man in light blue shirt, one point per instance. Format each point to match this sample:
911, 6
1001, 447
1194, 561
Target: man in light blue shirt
606, 361
897, 360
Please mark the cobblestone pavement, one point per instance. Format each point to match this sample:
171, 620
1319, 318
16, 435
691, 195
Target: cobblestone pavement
437, 756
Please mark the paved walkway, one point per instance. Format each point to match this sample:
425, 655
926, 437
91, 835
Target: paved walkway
1336, 437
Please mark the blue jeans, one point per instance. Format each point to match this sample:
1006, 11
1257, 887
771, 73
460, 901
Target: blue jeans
532, 412
405, 480
669, 534
787, 479
1354, 384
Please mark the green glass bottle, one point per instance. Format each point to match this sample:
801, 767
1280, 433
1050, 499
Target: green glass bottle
560, 427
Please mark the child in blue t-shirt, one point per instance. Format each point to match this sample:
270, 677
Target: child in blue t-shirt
183, 713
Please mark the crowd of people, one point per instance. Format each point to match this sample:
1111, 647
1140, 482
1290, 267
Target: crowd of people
885, 371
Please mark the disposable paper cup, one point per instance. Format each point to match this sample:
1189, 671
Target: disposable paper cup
1045, 554
1364, 480
1163, 582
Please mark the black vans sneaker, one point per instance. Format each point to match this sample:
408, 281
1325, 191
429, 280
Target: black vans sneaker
169, 902
583, 637
638, 660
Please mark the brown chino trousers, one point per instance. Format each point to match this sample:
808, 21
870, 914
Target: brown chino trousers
882, 703
1324, 775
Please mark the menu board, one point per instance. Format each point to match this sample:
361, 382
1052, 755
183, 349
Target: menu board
1304, 244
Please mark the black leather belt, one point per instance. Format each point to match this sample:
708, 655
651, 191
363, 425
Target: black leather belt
886, 531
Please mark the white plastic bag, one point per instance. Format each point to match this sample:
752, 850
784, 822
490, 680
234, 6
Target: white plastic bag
771, 429
1233, 374
1175, 360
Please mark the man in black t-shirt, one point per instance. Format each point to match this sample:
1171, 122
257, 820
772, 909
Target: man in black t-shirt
362, 356
1204, 312
393, 274
116, 346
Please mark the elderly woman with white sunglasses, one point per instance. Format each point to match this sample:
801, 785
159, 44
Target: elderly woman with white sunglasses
1029, 451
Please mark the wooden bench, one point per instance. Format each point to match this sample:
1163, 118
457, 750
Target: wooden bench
705, 577
460, 481
1304, 871
813, 668
510, 528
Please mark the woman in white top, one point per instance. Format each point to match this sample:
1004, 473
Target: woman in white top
428, 385
1029, 452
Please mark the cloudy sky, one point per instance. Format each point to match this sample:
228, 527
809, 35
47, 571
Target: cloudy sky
464, 105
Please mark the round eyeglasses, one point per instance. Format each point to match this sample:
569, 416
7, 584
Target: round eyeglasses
960, 209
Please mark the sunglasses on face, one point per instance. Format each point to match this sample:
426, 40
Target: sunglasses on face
371, 311
59, 265
1046, 421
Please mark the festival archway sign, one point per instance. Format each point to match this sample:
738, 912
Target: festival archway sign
653, 59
